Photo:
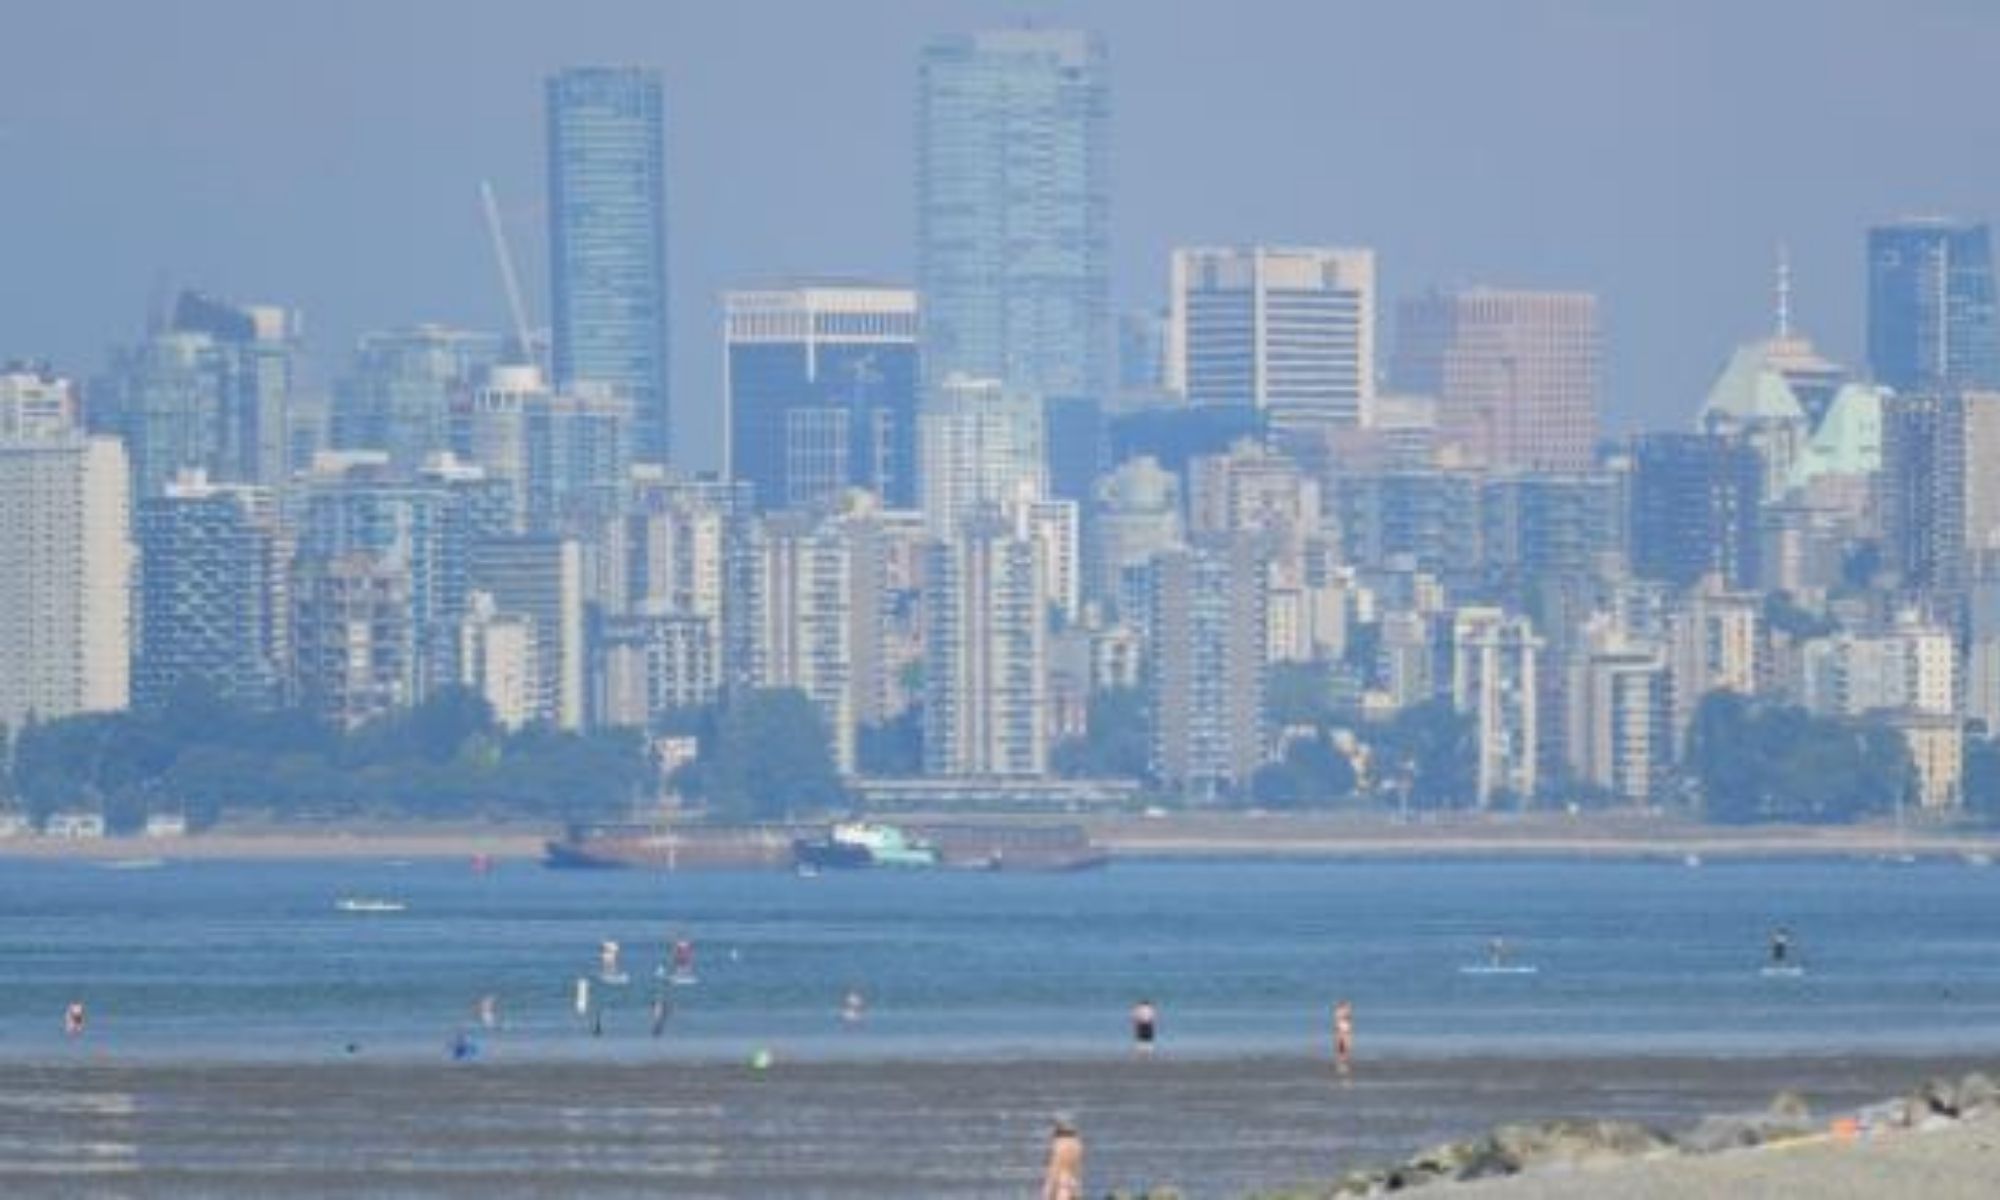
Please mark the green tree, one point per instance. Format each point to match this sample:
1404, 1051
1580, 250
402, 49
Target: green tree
765, 756
1312, 774
1430, 749
1757, 762
1117, 743
894, 747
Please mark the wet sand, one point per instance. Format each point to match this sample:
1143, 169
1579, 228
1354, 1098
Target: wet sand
1223, 1127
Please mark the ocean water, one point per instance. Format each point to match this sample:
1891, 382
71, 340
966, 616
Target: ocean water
204, 960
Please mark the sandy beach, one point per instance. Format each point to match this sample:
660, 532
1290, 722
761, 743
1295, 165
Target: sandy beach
1959, 1162
948, 1129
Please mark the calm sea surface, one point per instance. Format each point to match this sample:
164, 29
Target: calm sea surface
203, 961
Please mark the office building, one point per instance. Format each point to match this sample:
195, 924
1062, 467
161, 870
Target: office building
66, 590
1940, 499
1287, 331
1515, 374
608, 241
1014, 209
822, 389
213, 609
1931, 320
1138, 518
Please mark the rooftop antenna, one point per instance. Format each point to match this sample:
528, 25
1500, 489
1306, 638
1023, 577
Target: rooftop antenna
1784, 291
522, 346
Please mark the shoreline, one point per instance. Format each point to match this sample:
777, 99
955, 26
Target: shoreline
942, 1130
1196, 837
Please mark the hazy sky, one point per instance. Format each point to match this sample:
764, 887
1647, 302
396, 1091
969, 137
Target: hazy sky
327, 157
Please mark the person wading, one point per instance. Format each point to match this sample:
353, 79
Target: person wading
1063, 1180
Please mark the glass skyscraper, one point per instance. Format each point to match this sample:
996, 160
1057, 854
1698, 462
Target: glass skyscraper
1931, 320
1013, 209
607, 239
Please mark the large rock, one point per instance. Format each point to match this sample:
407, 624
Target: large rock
1788, 1117
1977, 1095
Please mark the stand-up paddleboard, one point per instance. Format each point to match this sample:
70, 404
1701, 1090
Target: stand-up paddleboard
1784, 972
1499, 969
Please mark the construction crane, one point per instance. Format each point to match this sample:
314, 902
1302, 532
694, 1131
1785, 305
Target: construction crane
522, 345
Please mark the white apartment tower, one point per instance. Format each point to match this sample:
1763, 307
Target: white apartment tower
1493, 681
1290, 330
985, 684
979, 444
66, 587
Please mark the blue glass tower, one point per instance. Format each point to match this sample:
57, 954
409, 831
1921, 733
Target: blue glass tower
1931, 321
608, 239
1013, 209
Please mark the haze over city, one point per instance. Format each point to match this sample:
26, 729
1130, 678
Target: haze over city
329, 160
1076, 598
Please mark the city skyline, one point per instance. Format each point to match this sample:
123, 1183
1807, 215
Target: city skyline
1560, 219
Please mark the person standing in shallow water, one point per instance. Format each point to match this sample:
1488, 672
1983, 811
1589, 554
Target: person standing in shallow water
1145, 1026
1343, 1036
1063, 1179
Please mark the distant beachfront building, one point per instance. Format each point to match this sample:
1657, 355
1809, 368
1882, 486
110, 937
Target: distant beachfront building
541, 578
1013, 209
800, 602
1620, 721
986, 653
1205, 670
66, 583
1288, 331
354, 644
608, 240
212, 609
1493, 680
1932, 323
496, 661
822, 385
1515, 373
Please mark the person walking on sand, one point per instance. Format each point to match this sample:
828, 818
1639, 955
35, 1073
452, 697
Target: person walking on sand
1145, 1025
1063, 1180
1343, 1036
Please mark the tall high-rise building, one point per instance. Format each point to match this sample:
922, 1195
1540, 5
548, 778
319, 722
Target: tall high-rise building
979, 444
399, 392
1289, 331
1940, 500
1515, 374
1205, 671
1694, 508
1931, 318
1014, 209
1620, 721
354, 646
608, 240
212, 390
566, 454
541, 579
212, 607
986, 645
801, 601
1493, 680
822, 386
66, 590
